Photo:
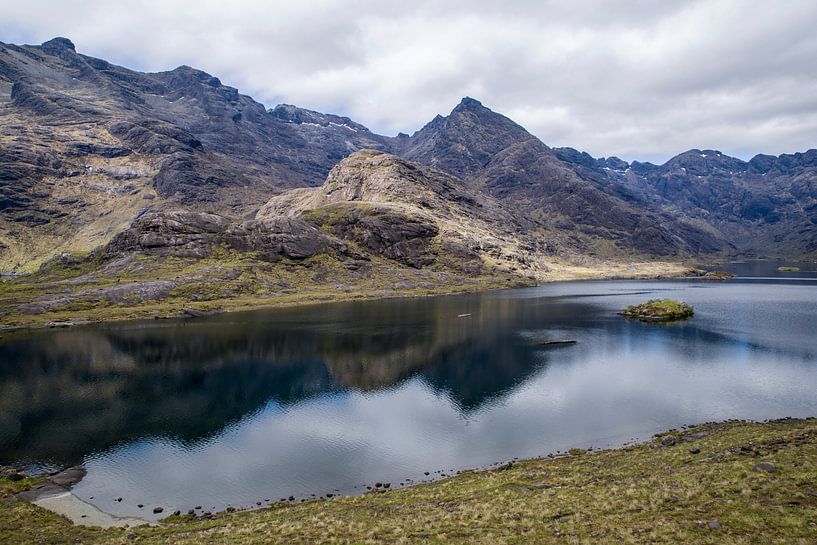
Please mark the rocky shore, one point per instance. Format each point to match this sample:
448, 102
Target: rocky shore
726, 483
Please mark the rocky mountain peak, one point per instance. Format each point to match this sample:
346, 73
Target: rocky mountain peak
184, 76
468, 103
762, 162
787, 163
58, 45
465, 141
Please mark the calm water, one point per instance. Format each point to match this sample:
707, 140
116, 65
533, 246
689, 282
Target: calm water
256, 406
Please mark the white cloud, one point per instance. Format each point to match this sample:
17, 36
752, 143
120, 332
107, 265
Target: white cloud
643, 79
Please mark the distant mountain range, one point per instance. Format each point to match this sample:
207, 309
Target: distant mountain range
89, 150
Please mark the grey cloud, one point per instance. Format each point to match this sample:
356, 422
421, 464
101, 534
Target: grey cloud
640, 79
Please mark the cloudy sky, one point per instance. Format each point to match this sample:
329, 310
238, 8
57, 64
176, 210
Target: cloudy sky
639, 79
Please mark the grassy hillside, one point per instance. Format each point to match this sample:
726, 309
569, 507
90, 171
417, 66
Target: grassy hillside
139, 287
728, 483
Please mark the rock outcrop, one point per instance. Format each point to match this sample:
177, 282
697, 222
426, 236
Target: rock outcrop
383, 231
184, 233
413, 214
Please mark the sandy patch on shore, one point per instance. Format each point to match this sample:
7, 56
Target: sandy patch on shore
55, 495
83, 513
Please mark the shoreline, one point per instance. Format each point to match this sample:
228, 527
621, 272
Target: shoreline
82, 513
670, 487
62, 501
307, 297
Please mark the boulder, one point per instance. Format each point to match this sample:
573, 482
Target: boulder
765, 467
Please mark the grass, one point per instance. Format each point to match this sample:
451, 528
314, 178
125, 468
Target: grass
647, 493
227, 280
788, 269
659, 310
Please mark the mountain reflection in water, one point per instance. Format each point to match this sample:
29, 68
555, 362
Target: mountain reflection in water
330, 397
67, 393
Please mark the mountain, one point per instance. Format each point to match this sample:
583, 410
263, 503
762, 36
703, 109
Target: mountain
766, 206
85, 146
414, 214
379, 225
503, 159
465, 141
123, 189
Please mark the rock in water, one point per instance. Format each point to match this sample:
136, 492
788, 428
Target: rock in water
557, 342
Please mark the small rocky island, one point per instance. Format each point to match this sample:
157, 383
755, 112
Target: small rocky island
788, 269
659, 310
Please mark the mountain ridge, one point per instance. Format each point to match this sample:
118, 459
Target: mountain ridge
87, 146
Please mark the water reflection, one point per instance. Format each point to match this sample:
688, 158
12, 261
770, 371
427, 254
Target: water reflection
64, 394
246, 407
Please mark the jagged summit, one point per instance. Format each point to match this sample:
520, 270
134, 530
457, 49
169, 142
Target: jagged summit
468, 103
58, 44
704, 162
463, 142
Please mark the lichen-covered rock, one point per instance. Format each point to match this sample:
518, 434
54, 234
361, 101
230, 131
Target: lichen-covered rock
278, 237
